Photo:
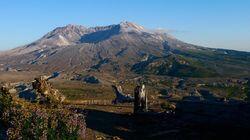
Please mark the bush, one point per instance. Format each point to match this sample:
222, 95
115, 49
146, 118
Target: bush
40, 123
247, 91
25, 120
5, 101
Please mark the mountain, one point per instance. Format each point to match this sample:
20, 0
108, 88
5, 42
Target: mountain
125, 48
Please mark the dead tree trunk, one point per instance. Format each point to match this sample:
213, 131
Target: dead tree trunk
140, 103
120, 96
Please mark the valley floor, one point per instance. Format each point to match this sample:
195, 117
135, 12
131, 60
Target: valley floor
191, 120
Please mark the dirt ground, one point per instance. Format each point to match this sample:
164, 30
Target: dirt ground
118, 122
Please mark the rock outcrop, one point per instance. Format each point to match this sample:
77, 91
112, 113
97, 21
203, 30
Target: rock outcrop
90, 79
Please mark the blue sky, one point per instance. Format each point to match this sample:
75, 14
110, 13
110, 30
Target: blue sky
210, 23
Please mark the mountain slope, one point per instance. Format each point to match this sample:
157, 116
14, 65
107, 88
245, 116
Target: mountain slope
124, 48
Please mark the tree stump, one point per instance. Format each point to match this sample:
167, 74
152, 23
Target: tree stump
140, 103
